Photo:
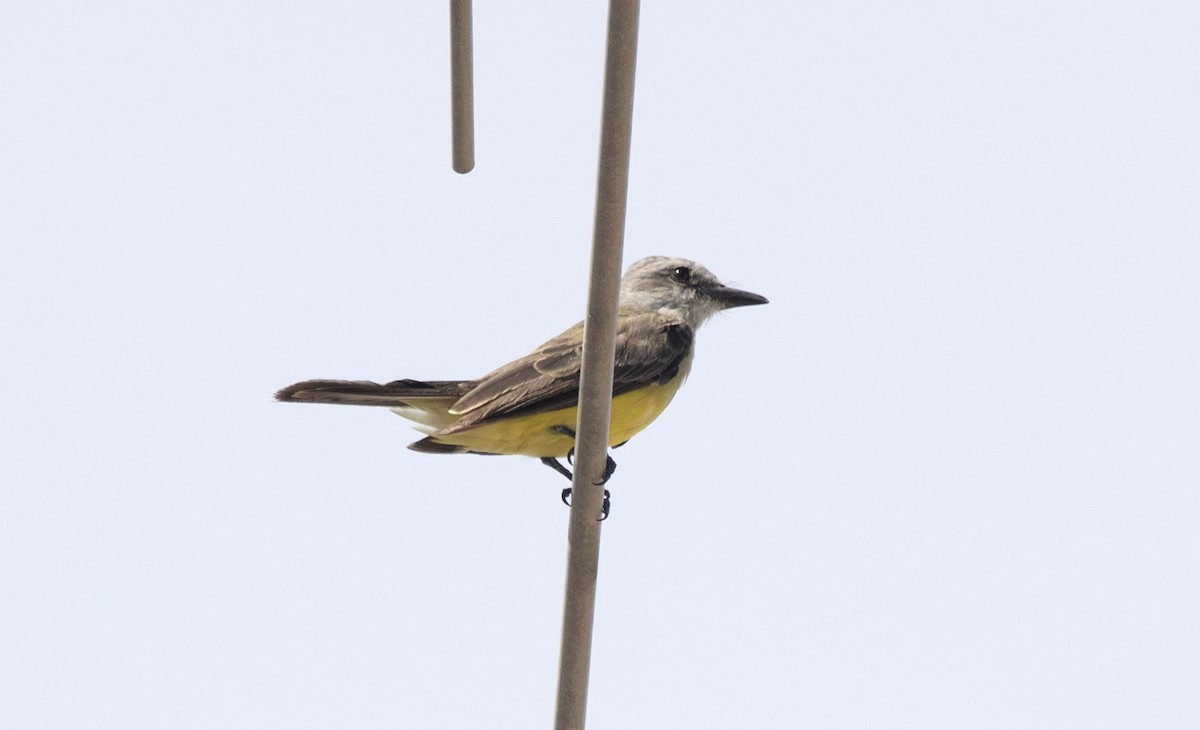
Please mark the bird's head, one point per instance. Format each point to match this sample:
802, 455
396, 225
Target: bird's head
680, 288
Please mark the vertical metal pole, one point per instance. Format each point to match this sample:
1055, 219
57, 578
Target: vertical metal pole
596, 378
462, 88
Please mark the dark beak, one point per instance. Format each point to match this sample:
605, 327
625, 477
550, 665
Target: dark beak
730, 297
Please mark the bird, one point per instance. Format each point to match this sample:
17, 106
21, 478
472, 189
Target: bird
529, 406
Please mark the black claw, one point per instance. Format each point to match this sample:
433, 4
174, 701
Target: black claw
610, 466
605, 506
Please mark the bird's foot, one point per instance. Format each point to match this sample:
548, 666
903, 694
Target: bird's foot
605, 506
610, 466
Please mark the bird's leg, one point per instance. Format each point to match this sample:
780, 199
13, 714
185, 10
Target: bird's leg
610, 466
569, 433
553, 464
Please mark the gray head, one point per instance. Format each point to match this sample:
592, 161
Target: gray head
680, 288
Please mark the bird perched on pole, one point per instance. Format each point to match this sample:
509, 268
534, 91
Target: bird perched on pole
529, 406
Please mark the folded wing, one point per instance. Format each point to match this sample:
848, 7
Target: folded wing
650, 348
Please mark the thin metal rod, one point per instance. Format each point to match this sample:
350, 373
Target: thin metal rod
462, 88
596, 377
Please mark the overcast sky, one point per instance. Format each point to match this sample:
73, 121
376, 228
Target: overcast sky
948, 478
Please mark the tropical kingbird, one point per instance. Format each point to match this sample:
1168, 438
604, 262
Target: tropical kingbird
529, 406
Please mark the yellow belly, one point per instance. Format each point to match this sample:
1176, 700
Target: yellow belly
534, 435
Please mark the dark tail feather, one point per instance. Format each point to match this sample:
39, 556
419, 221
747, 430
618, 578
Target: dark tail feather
366, 393
429, 446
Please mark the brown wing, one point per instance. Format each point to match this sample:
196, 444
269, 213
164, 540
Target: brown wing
649, 348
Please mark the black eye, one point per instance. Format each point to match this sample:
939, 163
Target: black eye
681, 274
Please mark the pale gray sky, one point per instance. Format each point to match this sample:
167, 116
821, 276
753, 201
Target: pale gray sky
948, 478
